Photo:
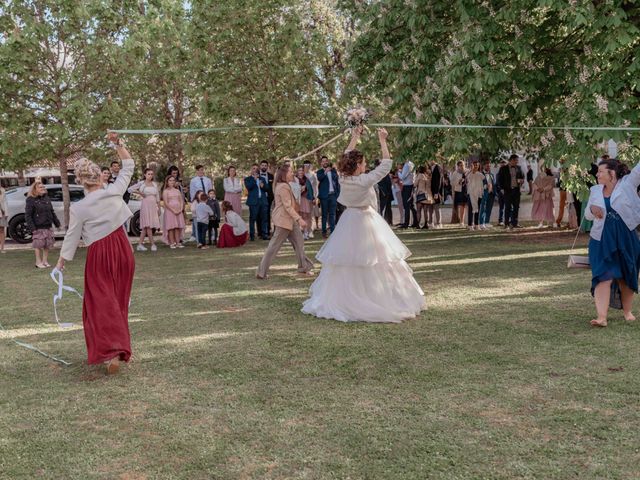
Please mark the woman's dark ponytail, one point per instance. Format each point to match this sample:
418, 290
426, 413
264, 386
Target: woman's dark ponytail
622, 170
617, 166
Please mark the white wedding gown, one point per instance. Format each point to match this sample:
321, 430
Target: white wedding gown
364, 275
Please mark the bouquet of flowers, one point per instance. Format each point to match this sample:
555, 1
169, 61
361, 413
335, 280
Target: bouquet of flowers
356, 117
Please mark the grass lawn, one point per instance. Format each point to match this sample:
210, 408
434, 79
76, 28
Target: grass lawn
501, 378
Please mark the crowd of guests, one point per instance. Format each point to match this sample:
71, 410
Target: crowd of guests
220, 224
303, 195
419, 193
473, 190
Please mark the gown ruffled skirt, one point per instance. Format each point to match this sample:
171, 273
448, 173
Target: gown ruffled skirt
364, 274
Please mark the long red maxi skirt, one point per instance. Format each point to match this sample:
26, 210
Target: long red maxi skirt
108, 276
227, 239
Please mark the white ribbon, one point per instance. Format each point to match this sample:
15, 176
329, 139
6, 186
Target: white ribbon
58, 278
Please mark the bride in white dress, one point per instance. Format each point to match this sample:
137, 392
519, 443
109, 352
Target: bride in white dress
364, 275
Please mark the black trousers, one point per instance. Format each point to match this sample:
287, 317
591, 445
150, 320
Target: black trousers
258, 220
213, 228
264, 220
472, 218
511, 206
409, 207
385, 208
578, 206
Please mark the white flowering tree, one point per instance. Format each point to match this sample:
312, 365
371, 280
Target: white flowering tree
522, 63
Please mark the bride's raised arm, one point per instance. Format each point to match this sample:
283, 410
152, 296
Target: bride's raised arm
382, 170
356, 133
382, 136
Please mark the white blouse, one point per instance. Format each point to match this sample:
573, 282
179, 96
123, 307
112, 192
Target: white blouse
358, 190
236, 222
146, 190
624, 200
98, 214
296, 189
232, 185
475, 188
455, 180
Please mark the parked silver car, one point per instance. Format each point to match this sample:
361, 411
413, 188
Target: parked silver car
16, 201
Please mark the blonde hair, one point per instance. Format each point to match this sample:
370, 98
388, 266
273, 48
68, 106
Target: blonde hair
87, 173
34, 187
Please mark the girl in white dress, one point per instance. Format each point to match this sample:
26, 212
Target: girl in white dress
364, 275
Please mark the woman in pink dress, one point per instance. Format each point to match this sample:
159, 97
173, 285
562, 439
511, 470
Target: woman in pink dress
173, 217
149, 208
543, 198
233, 190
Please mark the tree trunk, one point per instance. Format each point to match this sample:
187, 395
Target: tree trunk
64, 180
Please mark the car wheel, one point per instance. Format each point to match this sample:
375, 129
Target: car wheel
18, 229
134, 224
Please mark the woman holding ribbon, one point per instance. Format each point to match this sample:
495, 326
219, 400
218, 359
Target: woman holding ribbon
614, 248
109, 268
364, 275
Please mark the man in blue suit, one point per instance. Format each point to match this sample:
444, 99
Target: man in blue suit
258, 203
328, 192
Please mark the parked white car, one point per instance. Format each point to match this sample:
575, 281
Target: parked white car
17, 198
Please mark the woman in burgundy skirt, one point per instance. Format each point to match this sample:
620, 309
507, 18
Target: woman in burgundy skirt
234, 231
98, 219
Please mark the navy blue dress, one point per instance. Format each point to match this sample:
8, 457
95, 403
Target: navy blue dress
615, 256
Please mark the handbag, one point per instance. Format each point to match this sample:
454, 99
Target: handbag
421, 197
578, 261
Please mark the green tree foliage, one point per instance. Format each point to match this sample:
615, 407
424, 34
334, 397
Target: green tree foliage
522, 63
56, 77
269, 62
159, 87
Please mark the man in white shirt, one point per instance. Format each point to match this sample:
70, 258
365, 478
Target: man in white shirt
115, 171
406, 178
199, 182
